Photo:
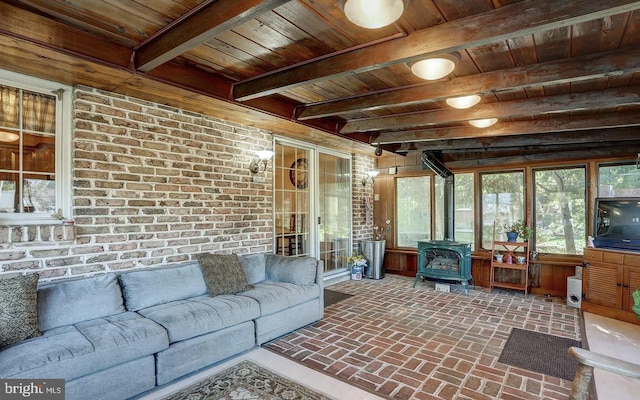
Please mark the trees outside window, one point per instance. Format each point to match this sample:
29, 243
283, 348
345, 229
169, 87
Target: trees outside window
463, 203
619, 181
502, 202
413, 208
560, 210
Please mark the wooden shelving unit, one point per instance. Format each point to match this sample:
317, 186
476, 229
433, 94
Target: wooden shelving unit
514, 250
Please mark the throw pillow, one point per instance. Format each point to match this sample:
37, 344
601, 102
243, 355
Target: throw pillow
18, 309
223, 274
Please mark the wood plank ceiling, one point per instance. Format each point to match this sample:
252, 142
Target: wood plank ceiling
562, 76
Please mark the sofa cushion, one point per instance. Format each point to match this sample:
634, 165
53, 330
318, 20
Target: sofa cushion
200, 315
142, 289
254, 268
73, 351
67, 302
223, 274
18, 309
277, 296
298, 270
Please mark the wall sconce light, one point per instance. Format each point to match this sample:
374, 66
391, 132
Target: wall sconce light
372, 14
260, 165
483, 123
436, 67
371, 176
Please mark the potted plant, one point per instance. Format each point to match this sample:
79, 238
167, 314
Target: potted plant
517, 229
357, 263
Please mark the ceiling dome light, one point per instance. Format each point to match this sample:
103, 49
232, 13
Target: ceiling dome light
8, 136
436, 67
373, 14
483, 123
463, 101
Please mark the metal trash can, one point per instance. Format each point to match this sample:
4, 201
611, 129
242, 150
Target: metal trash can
373, 251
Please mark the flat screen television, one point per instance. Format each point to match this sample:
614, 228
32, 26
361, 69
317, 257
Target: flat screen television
617, 223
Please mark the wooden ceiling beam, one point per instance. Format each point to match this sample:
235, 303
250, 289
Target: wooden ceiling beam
594, 100
595, 137
579, 155
221, 16
511, 21
590, 66
550, 125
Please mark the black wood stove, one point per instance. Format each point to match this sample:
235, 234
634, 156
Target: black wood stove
446, 260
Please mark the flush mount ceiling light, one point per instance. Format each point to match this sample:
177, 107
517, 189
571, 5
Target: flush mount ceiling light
483, 123
8, 136
372, 14
463, 101
436, 67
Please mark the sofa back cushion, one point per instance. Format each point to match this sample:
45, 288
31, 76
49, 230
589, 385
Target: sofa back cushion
254, 268
298, 270
142, 289
68, 302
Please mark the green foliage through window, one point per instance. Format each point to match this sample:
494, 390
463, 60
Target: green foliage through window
560, 210
413, 208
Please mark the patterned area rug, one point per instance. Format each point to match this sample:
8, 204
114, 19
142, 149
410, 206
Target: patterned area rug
246, 381
539, 352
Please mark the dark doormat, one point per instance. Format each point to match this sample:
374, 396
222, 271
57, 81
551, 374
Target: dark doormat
332, 297
539, 352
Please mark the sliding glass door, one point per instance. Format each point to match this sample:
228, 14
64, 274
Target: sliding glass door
312, 204
334, 196
292, 200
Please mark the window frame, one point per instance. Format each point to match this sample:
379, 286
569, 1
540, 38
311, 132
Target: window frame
480, 201
63, 148
431, 197
598, 182
534, 218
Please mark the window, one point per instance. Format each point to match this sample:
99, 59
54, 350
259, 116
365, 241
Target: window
502, 202
618, 181
560, 210
463, 204
413, 210
439, 207
463, 208
34, 175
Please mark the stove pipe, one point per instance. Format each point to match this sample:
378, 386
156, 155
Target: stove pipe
432, 161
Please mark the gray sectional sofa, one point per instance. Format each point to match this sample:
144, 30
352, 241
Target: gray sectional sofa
116, 336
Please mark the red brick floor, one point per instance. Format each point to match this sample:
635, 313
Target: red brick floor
406, 343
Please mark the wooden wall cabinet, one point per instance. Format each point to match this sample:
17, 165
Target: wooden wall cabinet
608, 283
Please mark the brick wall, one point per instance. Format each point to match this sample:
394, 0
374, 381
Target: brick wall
361, 229
154, 185
151, 185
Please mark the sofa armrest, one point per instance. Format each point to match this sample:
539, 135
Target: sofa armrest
587, 361
297, 270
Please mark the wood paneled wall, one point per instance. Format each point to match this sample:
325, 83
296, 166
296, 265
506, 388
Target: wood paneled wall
548, 274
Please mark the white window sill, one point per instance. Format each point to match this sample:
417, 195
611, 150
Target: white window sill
50, 232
